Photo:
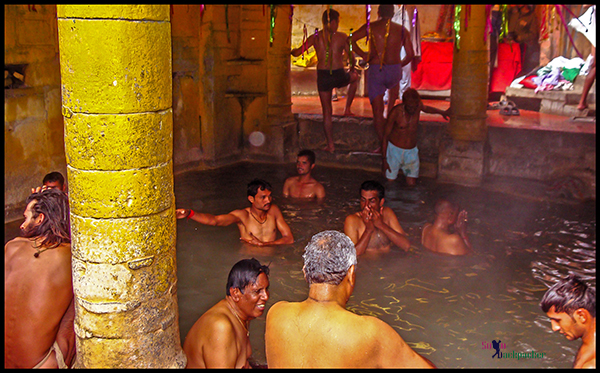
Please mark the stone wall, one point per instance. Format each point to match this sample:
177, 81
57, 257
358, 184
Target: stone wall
33, 123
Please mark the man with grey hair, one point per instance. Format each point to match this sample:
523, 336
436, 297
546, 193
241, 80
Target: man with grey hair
319, 332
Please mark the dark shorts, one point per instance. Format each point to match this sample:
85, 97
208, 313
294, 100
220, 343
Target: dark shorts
326, 81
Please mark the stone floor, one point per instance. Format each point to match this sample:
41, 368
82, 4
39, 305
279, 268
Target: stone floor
527, 119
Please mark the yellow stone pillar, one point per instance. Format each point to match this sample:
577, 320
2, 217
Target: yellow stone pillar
470, 72
117, 95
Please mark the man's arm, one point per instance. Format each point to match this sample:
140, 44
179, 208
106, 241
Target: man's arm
283, 227
320, 191
351, 230
356, 36
388, 223
208, 219
432, 110
408, 48
220, 349
394, 350
304, 47
287, 186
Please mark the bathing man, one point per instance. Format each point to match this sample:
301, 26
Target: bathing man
571, 306
220, 337
330, 45
448, 233
38, 291
386, 40
52, 180
304, 185
375, 227
258, 224
319, 332
399, 145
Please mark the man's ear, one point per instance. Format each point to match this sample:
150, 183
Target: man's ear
581, 315
40, 219
304, 273
235, 294
351, 275
251, 199
312, 166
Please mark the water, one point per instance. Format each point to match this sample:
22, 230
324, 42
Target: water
446, 308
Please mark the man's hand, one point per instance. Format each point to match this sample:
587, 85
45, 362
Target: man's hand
253, 240
182, 213
384, 165
39, 189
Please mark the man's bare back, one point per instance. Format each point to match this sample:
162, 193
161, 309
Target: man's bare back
333, 337
38, 292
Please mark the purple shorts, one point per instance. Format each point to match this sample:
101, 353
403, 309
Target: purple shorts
380, 80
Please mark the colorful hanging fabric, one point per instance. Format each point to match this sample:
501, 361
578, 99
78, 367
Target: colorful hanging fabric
467, 16
368, 22
328, 34
504, 23
488, 22
272, 25
304, 33
351, 54
457, 10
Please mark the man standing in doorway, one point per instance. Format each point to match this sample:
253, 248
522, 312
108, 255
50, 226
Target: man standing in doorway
386, 40
330, 45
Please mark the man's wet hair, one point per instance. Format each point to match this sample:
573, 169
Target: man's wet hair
373, 185
386, 10
257, 184
334, 15
327, 258
55, 229
54, 176
569, 295
443, 205
244, 273
411, 94
309, 154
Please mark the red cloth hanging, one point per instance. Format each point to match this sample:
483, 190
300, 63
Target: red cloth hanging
434, 72
509, 64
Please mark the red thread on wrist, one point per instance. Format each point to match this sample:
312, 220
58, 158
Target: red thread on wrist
191, 214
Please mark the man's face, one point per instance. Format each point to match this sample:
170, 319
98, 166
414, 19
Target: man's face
54, 184
303, 165
29, 222
411, 105
565, 324
371, 199
252, 302
262, 200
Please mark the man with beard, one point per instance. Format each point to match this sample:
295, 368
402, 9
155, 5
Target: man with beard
399, 145
220, 337
38, 291
571, 306
258, 224
304, 185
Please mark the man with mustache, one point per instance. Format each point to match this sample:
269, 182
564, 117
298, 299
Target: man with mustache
258, 224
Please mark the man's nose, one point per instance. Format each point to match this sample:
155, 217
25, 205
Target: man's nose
555, 326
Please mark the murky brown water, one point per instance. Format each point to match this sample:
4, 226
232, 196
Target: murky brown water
445, 308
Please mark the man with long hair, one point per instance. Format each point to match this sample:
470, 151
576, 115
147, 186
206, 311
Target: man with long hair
38, 290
